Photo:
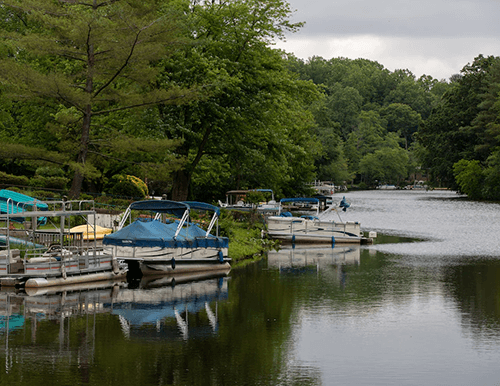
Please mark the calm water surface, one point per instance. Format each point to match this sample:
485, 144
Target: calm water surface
399, 312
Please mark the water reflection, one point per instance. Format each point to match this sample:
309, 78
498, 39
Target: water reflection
147, 311
312, 255
44, 326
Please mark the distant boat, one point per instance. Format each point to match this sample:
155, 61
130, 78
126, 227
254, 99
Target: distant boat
175, 244
387, 187
236, 200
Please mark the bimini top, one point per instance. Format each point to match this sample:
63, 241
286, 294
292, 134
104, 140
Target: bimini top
311, 200
157, 234
203, 206
174, 207
161, 206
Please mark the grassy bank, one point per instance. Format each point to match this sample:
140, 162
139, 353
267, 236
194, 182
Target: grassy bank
244, 230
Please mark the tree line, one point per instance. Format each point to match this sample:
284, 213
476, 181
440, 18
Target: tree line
191, 97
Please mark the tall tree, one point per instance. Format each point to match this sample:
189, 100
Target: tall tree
449, 135
92, 57
253, 115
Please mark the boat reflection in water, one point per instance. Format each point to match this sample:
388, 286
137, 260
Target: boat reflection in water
156, 302
319, 257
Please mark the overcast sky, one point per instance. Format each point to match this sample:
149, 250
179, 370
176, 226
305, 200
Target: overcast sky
432, 37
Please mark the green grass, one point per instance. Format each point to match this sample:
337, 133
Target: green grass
244, 232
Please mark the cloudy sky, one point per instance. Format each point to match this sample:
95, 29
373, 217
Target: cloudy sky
432, 37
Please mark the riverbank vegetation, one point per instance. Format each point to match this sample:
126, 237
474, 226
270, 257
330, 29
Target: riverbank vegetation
191, 98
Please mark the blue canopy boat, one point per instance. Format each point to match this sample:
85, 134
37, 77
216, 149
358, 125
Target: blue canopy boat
160, 244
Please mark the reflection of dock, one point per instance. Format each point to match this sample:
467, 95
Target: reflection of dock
33, 315
60, 302
320, 257
155, 300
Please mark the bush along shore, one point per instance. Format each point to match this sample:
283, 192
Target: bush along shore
244, 230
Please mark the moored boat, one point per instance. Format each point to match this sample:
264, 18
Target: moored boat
163, 244
34, 257
310, 228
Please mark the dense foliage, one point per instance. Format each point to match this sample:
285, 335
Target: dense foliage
461, 137
367, 119
192, 98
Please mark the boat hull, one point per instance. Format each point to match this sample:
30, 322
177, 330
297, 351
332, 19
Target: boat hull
155, 260
303, 230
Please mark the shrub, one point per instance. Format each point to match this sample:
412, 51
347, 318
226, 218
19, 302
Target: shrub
10, 179
44, 194
128, 186
49, 171
49, 182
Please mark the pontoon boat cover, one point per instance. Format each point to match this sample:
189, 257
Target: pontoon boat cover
157, 234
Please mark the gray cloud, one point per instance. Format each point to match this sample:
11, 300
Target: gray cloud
397, 18
436, 37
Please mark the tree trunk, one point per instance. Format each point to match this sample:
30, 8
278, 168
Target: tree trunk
180, 189
76, 185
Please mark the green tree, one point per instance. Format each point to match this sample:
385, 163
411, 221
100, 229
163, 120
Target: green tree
402, 119
469, 177
331, 163
342, 106
449, 134
253, 118
92, 59
366, 138
386, 165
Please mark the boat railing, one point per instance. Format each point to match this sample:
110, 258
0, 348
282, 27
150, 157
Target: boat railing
309, 226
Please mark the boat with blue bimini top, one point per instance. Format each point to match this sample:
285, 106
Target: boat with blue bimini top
312, 229
169, 241
32, 257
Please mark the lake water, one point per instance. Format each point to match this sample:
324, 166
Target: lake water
398, 312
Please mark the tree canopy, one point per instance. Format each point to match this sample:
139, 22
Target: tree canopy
86, 62
192, 98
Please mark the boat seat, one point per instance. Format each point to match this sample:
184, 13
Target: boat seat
14, 257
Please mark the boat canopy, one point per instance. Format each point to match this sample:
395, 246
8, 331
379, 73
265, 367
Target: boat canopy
203, 206
161, 206
178, 208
